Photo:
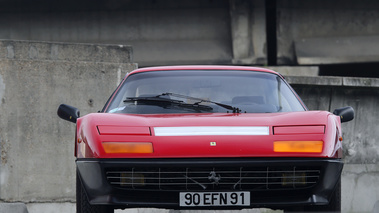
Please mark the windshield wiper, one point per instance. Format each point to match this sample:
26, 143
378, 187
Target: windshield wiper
234, 109
159, 100
152, 99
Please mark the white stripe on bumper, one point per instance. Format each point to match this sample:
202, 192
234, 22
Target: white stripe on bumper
211, 130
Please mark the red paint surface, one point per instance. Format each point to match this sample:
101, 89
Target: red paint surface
93, 129
199, 146
122, 130
290, 130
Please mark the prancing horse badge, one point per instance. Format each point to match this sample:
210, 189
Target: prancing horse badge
213, 143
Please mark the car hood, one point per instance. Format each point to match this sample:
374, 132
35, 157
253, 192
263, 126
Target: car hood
205, 135
213, 119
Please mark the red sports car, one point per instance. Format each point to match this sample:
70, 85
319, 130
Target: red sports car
207, 137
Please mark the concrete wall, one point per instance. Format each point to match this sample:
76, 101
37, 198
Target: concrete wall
206, 32
37, 162
327, 32
360, 191
161, 32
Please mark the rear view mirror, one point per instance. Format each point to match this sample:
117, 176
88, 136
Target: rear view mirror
346, 113
68, 113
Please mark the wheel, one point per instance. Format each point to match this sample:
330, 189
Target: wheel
334, 205
82, 203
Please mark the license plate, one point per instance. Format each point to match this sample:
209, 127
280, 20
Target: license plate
193, 199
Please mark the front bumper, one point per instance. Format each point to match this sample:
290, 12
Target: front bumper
272, 182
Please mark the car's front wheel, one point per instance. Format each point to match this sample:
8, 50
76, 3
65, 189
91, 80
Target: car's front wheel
82, 203
333, 206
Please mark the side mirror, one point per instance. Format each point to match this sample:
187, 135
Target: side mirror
68, 113
346, 113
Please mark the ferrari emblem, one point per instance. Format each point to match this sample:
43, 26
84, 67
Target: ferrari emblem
213, 143
214, 178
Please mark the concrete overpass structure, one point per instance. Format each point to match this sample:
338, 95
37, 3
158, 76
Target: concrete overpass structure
286, 32
327, 49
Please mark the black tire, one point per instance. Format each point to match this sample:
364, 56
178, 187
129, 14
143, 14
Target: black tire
334, 205
82, 204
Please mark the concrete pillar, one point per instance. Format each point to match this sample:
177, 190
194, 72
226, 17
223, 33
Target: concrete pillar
248, 32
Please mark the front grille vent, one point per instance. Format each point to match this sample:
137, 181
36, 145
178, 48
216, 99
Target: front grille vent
261, 178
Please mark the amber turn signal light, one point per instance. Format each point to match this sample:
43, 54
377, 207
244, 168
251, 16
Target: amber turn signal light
298, 146
128, 147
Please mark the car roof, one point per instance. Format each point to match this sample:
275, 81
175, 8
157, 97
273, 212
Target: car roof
203, 67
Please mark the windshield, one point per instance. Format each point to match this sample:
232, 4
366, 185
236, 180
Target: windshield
204, 91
